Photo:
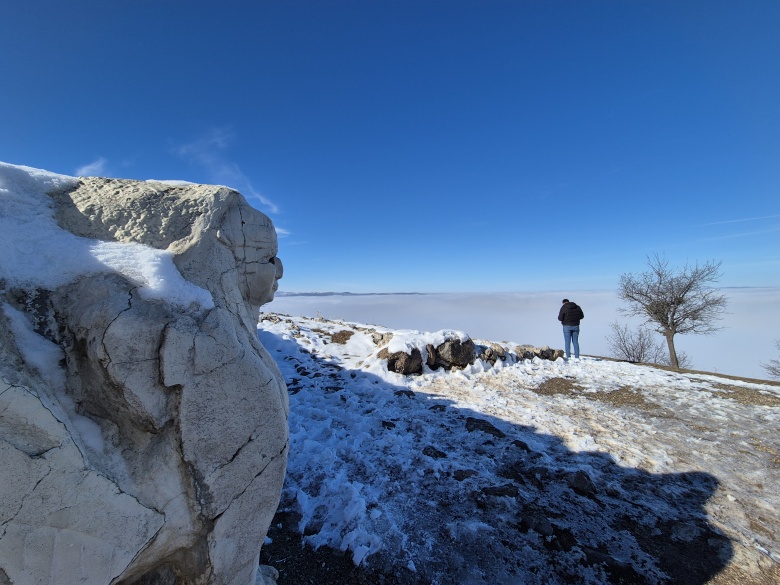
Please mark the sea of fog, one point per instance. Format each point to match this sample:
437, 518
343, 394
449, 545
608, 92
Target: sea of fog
745, 342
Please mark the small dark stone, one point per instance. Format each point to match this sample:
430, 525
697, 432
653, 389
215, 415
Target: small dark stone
434, 453
580, 482
537, 522
476, 424
515, 471
461, 474
509, 490
521, 445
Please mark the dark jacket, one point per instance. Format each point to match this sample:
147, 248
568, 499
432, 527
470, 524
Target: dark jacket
570, 314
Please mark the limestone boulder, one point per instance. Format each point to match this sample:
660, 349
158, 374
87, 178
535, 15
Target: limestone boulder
142, 439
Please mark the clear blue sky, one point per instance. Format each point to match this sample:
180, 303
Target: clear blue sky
426, 145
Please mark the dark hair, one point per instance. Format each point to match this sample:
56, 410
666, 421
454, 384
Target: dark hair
565, 300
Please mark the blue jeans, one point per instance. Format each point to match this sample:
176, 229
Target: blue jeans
571, 333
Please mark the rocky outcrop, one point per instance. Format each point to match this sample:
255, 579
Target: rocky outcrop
492, 353
529, 352
143, 439
452, 353
456, 352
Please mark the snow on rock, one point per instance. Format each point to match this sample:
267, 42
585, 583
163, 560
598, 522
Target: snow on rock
143, 424
525, 470
40, 253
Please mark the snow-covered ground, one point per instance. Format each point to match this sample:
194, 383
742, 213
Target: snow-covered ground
533, 471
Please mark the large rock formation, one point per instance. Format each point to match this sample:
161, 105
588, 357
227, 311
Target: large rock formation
143, 427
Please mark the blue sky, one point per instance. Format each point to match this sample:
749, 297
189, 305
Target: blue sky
428, 145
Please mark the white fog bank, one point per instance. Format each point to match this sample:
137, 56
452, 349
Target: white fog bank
745, 342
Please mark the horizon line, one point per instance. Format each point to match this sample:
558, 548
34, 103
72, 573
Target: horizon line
571, 291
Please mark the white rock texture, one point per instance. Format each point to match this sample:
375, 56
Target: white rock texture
156, 448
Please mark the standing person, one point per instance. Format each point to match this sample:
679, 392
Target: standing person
570, 316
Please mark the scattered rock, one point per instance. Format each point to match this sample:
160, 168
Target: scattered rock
381, 339
453, 353
529, 352
430, 359
492, 353
478, 424
434, 453
404, 363
535, 520
507, 490
581, 483
407, 393
516, 471
522, 445
462, 474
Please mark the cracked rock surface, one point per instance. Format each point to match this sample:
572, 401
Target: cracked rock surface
151, 445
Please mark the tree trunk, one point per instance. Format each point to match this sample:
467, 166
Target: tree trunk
672, 352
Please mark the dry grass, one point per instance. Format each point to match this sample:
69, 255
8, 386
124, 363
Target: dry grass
556, 386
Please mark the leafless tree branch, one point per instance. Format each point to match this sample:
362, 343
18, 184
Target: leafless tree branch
772, 368
674, 301
634, 346
639, 346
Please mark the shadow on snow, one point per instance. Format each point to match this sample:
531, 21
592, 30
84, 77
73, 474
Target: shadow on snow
463, 497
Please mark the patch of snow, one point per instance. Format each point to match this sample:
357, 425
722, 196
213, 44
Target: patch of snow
37, 351
37, 252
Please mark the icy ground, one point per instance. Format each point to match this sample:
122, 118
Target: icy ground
532, 472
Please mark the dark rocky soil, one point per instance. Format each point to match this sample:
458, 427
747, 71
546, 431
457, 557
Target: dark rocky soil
299, 564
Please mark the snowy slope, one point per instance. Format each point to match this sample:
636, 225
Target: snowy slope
526, 472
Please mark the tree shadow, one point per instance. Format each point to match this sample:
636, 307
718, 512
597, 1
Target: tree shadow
464, 497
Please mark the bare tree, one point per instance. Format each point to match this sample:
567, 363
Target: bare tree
634, 346
683, 360
674, 301
639, 346
773, 367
